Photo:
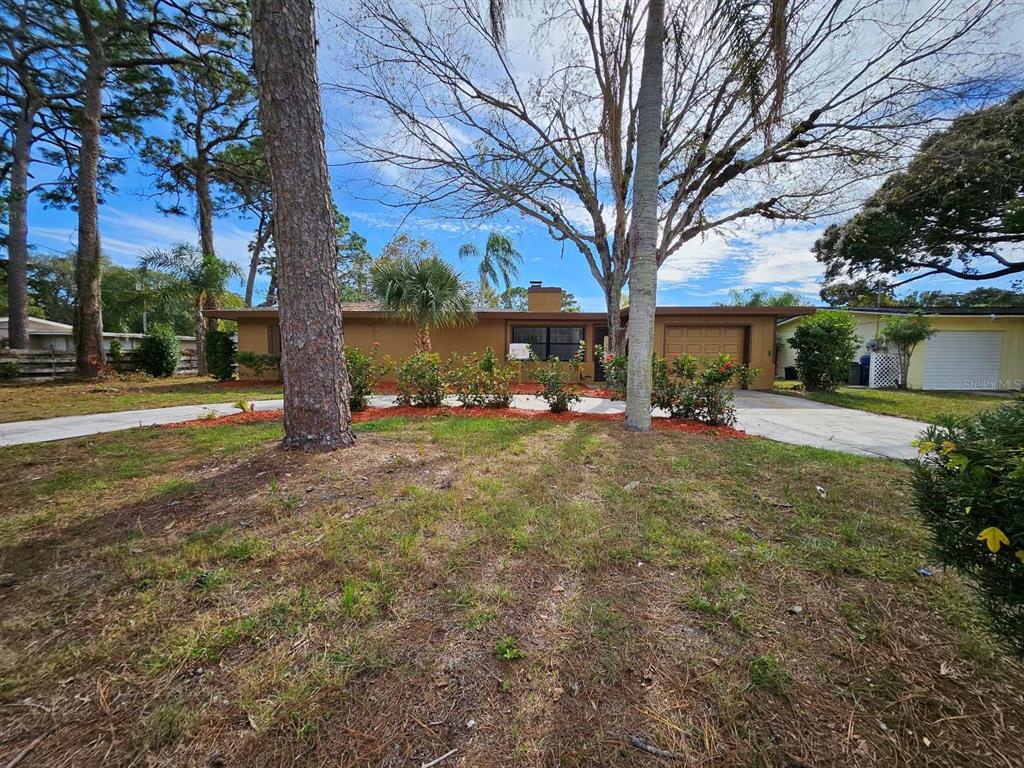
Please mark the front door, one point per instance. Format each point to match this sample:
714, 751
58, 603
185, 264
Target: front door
600, 337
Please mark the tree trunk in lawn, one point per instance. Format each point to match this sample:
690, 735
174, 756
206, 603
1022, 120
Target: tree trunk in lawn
616, 330
17, 236
197, 319
422, 341
643, 271
204, 204
316, 385
88, 307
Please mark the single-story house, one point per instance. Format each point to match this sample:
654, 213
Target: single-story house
747, 333
52, 336
973, 348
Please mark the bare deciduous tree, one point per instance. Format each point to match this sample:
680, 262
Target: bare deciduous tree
546, 124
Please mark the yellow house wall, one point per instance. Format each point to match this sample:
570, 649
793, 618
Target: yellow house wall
869, 327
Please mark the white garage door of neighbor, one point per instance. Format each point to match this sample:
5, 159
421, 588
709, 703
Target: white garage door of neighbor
963, 360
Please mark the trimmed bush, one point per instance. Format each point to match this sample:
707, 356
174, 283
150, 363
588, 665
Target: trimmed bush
553, 377
825, 343
689, 388
9, 369
364, 372
480, 381
616, 368
969, 486
159, 353
420, 381
257, 363
220, 355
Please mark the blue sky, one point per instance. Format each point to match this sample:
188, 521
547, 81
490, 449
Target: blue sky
754, 254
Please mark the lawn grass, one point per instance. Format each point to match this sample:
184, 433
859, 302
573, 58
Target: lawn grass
195, 596
44, 400
909, 404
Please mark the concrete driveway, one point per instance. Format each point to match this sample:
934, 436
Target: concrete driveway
779, 417
791, 419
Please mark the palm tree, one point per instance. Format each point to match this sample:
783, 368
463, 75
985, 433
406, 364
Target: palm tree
740, 23
198, 275
500, 259
426, 292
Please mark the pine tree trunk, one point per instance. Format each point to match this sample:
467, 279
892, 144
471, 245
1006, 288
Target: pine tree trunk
643, 270
88, 306
262, 238
197, 320
316, 385
17, 236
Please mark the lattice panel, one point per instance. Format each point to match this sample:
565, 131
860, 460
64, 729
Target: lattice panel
885, 370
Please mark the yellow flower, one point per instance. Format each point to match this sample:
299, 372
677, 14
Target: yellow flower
925, 446
994, 538
948, 446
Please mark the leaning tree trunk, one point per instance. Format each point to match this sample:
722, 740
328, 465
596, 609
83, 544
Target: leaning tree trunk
262, 238
204, 204
316, 385
88, 306
643, 270
17, 235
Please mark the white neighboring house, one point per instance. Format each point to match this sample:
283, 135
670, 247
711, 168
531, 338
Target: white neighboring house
48, 335
974, 349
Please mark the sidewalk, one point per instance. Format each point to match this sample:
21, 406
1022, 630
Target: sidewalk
786, 419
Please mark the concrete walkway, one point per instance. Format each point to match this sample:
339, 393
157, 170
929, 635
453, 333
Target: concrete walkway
779, 417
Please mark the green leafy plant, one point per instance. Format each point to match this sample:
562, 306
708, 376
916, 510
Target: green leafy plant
364, 373
244, 404
116, 351
420, 381
553, 376
480, 380
903, 333
506, 649
690, 388
825, 343
258, 363
615, 370
220, 355
766, 673
159, 353
969, 488
9, 369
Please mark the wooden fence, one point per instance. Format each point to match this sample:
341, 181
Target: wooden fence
29, 365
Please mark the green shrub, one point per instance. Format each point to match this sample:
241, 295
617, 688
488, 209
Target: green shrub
220, 355
825, 343
480, 381
689, 388
553, 376
116, 351
364, 372
159, 353
257, 363
9, 369
615, 371
420, 381
969, 486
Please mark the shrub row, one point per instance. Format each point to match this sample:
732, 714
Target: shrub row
685, 386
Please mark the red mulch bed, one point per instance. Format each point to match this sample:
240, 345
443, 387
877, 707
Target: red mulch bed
388, 388
372, 414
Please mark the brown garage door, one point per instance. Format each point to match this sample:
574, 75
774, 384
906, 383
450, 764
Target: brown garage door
704, 341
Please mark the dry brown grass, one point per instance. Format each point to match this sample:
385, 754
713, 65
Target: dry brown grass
197, 597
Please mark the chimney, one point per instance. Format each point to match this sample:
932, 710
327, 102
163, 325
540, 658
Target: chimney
541, 299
